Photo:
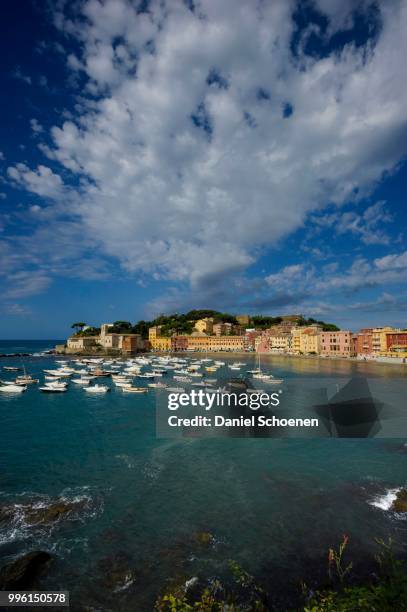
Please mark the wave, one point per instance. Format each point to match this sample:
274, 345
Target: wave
385, 501
34, 515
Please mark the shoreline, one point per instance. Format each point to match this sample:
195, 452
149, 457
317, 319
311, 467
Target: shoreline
100, 354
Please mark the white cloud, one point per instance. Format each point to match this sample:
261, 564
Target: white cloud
36, 126
20, 76
193, 202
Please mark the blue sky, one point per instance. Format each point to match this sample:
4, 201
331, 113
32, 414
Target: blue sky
161, 156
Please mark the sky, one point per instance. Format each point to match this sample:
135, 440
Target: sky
163, 155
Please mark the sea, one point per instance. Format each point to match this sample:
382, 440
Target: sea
147, 513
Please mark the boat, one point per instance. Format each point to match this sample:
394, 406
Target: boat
13, 388
81, 381
56, 385
98, 372
157, 385
53, 389
11, 368
26, 379
97, 389
182, 379
176, 389
135, 390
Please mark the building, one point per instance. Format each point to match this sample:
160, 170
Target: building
396, 343
306, 340
81, 343
179, 343
216, 343
243, 320
249, 339
364, 343
161, 343
132, 343
336, 344
158, 342
379, 339
220, 329
204, 325
227, 329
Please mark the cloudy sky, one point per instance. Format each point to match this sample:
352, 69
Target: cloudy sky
241, 155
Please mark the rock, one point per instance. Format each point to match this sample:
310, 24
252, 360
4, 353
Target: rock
400, 503
203, 537
50, 514
21, 573
117, 571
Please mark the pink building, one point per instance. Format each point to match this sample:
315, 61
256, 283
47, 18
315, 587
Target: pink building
337, 343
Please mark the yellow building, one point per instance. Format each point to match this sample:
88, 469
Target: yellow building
161, 343
216, 343
204, 326
306, 339
280, 342
379, 339
158, 342
243, 320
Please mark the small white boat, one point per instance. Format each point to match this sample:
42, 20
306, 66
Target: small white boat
13, 388
53, 389
11, 368
157, 385
135, 390
183, 379
56, 385
97, 389
176, 389
81, 381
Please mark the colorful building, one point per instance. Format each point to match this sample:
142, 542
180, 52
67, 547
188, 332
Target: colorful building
205, 325
337, 344
364, 344
396, 343
306, 340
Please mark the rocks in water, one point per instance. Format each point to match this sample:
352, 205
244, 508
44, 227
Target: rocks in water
22, 573
53, 512
118, 571
400, 503
204, 538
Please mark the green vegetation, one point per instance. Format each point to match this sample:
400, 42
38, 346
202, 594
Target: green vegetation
90, 331
178, 323
310, 321
265, 322
385, 591
78, 326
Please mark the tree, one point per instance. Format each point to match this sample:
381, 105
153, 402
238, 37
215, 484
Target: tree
78, 326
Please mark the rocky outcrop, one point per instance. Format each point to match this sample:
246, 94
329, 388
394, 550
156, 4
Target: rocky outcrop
23, 572
400, 503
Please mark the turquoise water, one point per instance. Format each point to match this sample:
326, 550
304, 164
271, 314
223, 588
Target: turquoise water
272, 505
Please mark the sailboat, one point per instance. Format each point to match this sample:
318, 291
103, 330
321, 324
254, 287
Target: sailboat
26, 379
269, 378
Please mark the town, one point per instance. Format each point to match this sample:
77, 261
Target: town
281, 335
